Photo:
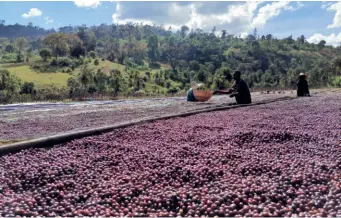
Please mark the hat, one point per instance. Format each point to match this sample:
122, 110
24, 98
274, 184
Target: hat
302, 74
195, 85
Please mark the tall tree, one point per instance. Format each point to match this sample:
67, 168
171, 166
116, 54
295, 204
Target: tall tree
111, 49
321, 44
153, 46
184, 31
223, 34
57, 42
45, 54
21, 44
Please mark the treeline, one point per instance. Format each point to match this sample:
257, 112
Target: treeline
18, 30
209, 57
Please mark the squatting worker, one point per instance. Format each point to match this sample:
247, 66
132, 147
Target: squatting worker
239, 90
190, 93
302, 86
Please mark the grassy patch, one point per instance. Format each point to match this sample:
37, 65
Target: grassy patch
55, 76
25, 73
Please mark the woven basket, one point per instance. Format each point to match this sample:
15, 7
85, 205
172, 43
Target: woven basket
202, 95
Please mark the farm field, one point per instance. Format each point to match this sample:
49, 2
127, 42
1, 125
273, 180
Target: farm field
277, 159
27, 121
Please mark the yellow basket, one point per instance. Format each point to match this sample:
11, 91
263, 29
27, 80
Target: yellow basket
203, 95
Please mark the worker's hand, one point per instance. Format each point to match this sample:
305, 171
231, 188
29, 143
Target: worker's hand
232, 95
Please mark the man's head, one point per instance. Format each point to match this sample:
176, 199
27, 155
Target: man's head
236, 75
302, 76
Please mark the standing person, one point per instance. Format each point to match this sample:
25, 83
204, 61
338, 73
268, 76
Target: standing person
239, 90
302, 86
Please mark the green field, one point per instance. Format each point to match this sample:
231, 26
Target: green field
59, 79
41, 80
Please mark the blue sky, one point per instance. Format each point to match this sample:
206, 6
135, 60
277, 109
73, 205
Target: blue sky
315, 20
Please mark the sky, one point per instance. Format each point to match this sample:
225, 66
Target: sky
315, 20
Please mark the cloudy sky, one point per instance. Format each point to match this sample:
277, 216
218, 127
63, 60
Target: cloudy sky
315, 20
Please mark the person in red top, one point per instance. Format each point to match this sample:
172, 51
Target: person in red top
239, 90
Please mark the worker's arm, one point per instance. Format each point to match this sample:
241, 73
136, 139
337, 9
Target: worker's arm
307, 88
233, 94
226, 92
234, 86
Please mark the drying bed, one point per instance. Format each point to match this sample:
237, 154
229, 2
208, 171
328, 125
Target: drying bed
277, 159
35, 121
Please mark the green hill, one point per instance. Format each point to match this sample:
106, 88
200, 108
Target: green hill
141, 59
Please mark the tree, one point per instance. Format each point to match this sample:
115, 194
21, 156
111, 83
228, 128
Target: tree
92, 54
21, 44
222, 78
101, 80
321, 44
153, 46
88, 38
255, 34
255, 48
184, 31
223, 34
73, 86
302, 39
214, 30
9, 48
111, 49
28, 88
116, 81
9, 86
268, 37
45, 54
86, 77
57, 42
77, 51
336, 65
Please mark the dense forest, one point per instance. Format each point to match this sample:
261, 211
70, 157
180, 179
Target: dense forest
169, 59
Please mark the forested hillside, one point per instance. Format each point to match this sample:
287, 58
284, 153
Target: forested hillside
140, 59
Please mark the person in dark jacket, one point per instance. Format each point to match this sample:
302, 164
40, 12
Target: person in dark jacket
302, 86
239, 90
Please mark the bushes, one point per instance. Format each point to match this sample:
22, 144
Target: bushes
173, 90
92, 54
62, 62
96, 62
45, 54
154, 65
336, 82
8, 58
28, 88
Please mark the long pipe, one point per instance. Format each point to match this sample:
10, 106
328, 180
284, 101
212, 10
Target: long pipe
65, 137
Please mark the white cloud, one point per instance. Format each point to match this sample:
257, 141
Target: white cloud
87, 3
332, 39
326, 4
337, 18
48, 20
235, 17
34, 12
272, 10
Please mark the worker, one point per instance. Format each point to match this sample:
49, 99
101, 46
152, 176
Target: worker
302, 86
239, 90
190, 93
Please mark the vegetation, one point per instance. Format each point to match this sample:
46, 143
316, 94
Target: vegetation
135, 59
